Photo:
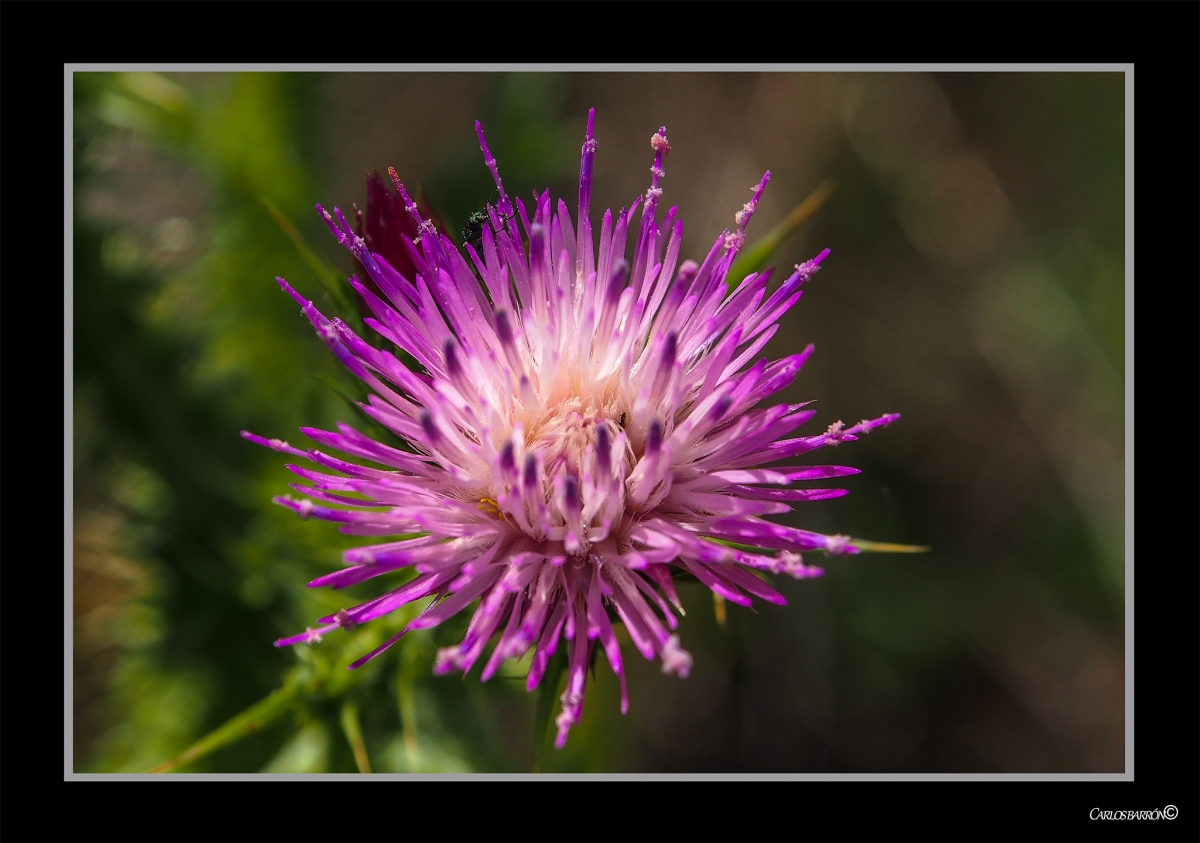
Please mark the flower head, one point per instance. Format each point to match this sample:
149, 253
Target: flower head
580, 428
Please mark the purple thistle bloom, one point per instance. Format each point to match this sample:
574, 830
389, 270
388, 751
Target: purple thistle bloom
580, 425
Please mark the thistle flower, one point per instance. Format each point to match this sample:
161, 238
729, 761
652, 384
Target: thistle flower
580, 428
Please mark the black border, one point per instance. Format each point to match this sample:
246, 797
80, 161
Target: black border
1160, 38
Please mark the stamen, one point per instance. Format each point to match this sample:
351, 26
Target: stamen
491, 507
585, 168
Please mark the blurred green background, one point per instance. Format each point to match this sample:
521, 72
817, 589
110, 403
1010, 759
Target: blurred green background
976, 286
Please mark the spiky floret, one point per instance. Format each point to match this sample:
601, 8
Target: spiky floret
580, 425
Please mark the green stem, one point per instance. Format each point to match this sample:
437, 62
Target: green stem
354, 736
261, 714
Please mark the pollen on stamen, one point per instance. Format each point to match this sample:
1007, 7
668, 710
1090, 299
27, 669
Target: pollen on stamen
810, 267
740, 216
837, 545
834, 433
658, 142
491, 507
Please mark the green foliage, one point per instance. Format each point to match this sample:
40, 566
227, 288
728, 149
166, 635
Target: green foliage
176, 364
180, 363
